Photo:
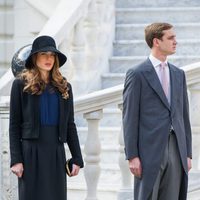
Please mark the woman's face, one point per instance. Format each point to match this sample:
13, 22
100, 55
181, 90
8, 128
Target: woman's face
45, 60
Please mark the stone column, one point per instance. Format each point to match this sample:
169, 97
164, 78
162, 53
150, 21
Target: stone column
77, 55
126, 190
92, 150
93, 40
194, 94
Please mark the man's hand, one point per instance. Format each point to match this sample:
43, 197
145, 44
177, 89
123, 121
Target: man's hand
189, 162
18, 169
135, 167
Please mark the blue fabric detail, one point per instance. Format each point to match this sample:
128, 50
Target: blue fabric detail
49, 107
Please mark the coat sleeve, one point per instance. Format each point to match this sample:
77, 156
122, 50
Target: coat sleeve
15, 123
131, 109
72, 136
186, 119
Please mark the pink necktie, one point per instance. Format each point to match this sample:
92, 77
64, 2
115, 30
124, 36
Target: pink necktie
164, 81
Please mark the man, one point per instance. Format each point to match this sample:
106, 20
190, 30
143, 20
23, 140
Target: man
157, 130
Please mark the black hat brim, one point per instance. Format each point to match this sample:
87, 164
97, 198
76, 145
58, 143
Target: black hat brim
61, 57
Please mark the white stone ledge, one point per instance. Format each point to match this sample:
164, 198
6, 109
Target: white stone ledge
192, 73
98, 100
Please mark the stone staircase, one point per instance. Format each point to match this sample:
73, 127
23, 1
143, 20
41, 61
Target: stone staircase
6, 34
129, 47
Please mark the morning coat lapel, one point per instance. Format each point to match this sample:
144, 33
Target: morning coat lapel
153, 80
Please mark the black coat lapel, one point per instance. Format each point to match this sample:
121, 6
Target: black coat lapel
35, 107
154, 82
62, 110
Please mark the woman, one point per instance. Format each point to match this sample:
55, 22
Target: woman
41, 121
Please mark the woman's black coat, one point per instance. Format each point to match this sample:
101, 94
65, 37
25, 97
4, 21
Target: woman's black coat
25, 122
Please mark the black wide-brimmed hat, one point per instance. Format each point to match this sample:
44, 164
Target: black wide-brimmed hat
43, 44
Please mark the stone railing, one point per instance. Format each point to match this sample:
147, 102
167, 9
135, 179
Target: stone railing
91, 107
83, 30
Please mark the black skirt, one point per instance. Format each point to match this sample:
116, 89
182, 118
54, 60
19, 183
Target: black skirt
44, 176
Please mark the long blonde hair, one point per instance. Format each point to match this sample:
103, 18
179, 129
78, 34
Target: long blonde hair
34, 84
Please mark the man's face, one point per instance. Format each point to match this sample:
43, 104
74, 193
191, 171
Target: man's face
167, 45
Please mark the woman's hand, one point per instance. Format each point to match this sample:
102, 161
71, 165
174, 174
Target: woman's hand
75, 170
18, 169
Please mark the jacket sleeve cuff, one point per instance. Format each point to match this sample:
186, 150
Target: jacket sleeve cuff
78, 161
15, 161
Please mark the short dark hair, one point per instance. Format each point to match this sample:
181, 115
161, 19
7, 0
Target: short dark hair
155, 30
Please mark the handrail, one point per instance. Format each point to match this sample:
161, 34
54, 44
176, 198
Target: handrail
192, 73
99, 99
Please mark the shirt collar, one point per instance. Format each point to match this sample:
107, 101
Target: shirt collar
155, 62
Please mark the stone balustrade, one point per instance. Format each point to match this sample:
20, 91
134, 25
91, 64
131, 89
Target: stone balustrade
91, 106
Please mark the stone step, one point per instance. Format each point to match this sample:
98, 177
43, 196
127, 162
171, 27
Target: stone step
120, 64
107, 187
136, 31
112, 79
111, 170
157, 3
139, 47
111, 116
194, 195
76, 193
194, 180
149, 15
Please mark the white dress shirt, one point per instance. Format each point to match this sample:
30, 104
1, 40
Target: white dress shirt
156, 63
